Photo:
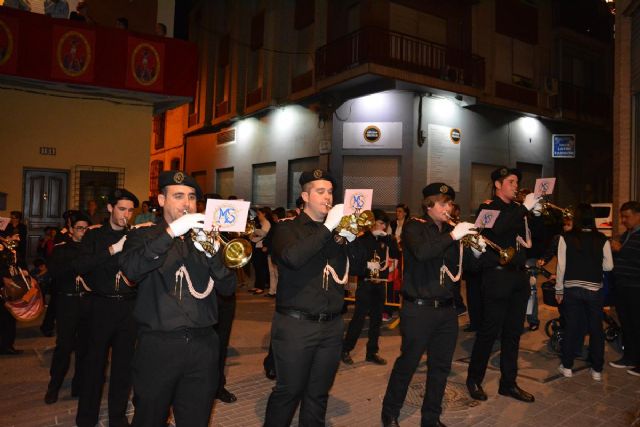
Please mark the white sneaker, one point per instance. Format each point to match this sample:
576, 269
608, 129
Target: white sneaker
567, 373
597, 376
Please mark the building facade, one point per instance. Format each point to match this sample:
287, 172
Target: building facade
390, 94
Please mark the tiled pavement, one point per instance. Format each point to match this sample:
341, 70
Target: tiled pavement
357, 393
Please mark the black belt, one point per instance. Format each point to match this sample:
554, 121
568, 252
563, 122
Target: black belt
430, 302
510, 267
301, 315
73, 294
117, 297
186, 334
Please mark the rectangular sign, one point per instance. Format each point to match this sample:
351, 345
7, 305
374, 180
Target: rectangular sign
355, 199
372, 135
226, 215
443, 156
544, 186
563, 146
487, 218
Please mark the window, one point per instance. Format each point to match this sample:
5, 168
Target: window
222, 78
224, 182
264, 185
514, 61
175, 164
378, 172
97, 185
157, 166
158, 131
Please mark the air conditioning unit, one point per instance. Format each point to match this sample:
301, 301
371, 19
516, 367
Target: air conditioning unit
551, 85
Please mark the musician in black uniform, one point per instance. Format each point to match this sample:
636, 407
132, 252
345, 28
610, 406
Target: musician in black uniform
73, 316
505, 289
111, 321
307, 328
428, 318
370, 293
176, 359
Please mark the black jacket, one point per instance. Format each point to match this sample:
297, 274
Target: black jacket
97, 266
378, 245
61, 269
151, 258
425, 249
301, 249
508, 225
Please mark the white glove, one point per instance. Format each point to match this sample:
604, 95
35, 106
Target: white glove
334, 216
462, 229
200, 236
185, 223
373, 265
537, 209
379, 233
530, 201
117, 246
347, 234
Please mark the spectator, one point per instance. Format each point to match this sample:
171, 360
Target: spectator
146, 215
122, 23
17, 230
81, 13
56, 8
46, 244
161, 30
18, 4
92, 212
627, 286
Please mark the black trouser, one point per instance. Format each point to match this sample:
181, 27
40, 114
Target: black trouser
261, 267
175, 369
226, 313
72, 330
457, 297
473, 282
307, 356
369, 301
111, 326
423, 328
49, 321
628, 309
582, 307
504, 297
7, 328
269, 362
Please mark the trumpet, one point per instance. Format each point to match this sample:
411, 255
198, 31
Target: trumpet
355, 223
546, 205
375, 274
473, 241
236, 253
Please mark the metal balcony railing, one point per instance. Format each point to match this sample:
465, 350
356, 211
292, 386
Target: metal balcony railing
401, 51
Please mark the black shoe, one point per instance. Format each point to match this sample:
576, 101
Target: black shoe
11, 351
47, 332
438, 423
346, 359
389, 421
475, 391
375, 359
268, 295
51, 396
270, 373
226, 396
517, 393
534, 327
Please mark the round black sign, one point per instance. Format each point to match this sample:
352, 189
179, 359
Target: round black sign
372, 133
455, 135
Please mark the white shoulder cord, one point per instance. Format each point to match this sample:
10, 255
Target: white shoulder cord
80, 281
520, 241
329, 270
120, 276
445, 270
183, 273
386, 261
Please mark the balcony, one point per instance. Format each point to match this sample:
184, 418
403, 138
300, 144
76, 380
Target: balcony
400, 51
584, 104
40, 53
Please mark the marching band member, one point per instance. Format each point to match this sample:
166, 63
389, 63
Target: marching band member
505, 289
175, 363
381, 249
307, 328
428, 318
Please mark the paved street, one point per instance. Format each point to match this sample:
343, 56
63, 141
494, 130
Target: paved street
357, 394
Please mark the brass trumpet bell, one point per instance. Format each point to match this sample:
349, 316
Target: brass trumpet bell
356, 224
236, 253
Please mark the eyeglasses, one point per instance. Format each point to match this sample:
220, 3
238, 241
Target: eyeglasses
81, 228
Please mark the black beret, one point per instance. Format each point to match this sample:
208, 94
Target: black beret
437, 188
178, 178
315, 175
122, 194
78, 216
504, 171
